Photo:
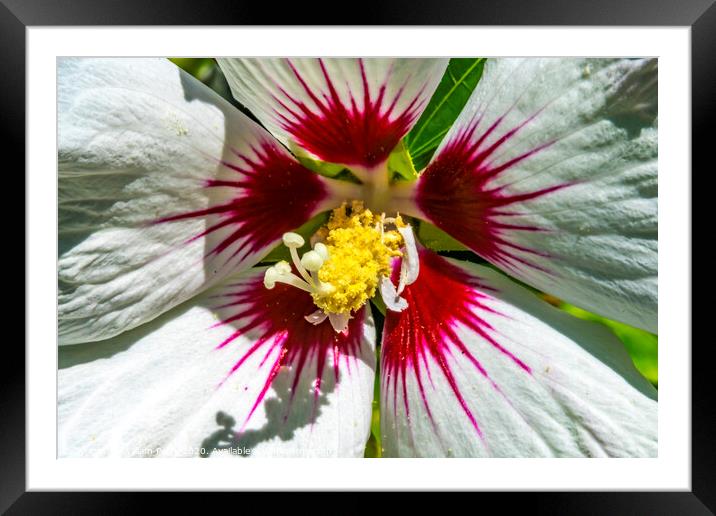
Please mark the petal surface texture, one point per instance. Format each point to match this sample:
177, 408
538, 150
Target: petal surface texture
348, 111
164, 188
237, 368
477, 366
550, 173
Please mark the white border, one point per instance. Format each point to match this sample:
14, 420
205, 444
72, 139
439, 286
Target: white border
671, 470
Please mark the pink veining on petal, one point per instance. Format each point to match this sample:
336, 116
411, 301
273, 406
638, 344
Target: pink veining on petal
443, 298
269, 193
354, 134
274, 319
456, 192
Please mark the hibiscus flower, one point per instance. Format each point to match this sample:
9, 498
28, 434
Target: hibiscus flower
175, 343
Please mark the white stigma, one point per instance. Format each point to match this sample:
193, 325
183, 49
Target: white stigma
281, 273
321, 249
309, 263
283, 267
293, 240
312, 261
270, 277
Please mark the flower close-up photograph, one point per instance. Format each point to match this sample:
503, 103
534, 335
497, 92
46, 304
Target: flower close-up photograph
357, 257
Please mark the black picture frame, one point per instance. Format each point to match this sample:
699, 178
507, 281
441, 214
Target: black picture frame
17, 15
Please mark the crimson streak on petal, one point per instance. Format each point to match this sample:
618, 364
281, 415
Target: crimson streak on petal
270, 193
351, 135
456, 194
443, 297
274, 321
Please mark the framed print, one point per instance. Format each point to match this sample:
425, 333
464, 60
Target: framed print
421, 257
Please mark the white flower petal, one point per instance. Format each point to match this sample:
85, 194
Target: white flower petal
478, 366
164, 188
390, 295
550, 173
348, 111
339, 322
410, 264
316, 317
183, 386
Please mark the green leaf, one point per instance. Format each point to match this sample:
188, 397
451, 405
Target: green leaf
437, 240
461, 77
642, 346
400, 164
373, 448
200, 68
378, 303
208, 72
321, 167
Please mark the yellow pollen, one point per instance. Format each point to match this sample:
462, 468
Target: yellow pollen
359, 253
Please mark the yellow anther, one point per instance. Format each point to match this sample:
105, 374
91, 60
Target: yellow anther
359, 254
